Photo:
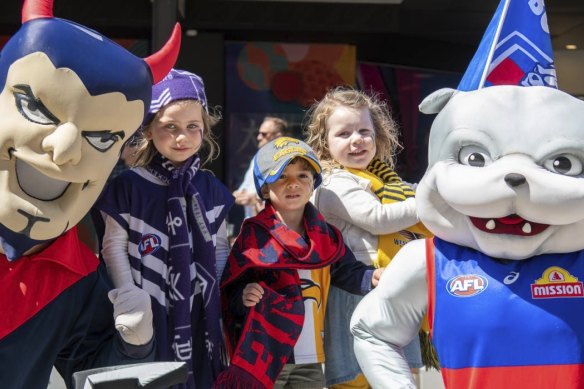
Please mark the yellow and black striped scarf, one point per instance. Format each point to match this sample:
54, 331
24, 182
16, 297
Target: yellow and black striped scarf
387, 185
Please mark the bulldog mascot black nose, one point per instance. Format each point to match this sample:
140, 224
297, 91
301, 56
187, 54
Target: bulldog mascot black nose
70, 98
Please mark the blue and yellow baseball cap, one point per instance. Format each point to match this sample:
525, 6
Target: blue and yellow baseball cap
271, 160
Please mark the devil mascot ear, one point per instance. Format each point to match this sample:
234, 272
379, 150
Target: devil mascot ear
70, 98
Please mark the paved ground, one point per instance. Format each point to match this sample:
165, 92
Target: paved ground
429, 380
56, 381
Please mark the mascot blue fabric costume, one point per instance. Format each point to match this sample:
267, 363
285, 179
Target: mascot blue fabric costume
70, 98
501, 282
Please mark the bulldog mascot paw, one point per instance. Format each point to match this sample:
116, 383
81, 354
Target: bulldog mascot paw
70, 97
501, 282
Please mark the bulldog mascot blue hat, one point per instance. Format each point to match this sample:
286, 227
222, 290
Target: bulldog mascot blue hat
70, 97
501, 282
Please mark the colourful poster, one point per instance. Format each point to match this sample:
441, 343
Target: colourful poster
280, 80
403, 90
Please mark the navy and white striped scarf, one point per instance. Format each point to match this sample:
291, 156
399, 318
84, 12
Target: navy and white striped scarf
191, 249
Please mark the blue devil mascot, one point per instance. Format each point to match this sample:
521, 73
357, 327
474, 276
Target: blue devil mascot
70, 98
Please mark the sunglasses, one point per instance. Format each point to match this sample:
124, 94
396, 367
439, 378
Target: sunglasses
265, 134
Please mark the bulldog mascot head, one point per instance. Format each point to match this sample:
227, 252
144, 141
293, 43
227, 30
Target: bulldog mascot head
501, 282
70, 98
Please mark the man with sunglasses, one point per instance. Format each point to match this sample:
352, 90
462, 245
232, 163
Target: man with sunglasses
270, 129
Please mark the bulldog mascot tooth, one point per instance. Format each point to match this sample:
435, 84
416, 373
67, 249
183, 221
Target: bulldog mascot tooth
70, 97
501, 282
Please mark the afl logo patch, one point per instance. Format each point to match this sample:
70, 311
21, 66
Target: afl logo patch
466, 285
149, 244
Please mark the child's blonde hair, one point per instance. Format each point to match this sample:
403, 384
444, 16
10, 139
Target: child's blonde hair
145, 149
386, 131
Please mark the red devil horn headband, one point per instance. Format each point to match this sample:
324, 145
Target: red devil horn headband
164, 59
36, 9
159, 63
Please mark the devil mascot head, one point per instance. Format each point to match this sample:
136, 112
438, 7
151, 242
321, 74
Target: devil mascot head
70, 97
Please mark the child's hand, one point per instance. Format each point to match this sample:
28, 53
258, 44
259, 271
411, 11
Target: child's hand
243, 197
252, 294
376, 276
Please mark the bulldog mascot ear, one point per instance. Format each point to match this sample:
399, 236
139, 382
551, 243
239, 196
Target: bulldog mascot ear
501, 281
70, 98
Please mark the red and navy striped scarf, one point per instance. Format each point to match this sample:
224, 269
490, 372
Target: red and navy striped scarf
272, 253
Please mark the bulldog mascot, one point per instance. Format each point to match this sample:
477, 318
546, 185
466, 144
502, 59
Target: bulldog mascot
70, 98
501, 282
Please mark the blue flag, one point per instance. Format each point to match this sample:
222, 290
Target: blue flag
515, 50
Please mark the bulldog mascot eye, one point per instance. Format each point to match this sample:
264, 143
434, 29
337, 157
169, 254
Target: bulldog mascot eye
474, 156
69, 99
566, 164
502, 280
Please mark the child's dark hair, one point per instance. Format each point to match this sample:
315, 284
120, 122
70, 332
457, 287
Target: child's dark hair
304, 164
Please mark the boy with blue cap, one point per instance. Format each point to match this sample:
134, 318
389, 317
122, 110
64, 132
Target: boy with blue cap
275, 285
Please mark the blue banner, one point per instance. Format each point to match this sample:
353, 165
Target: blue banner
515, 50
